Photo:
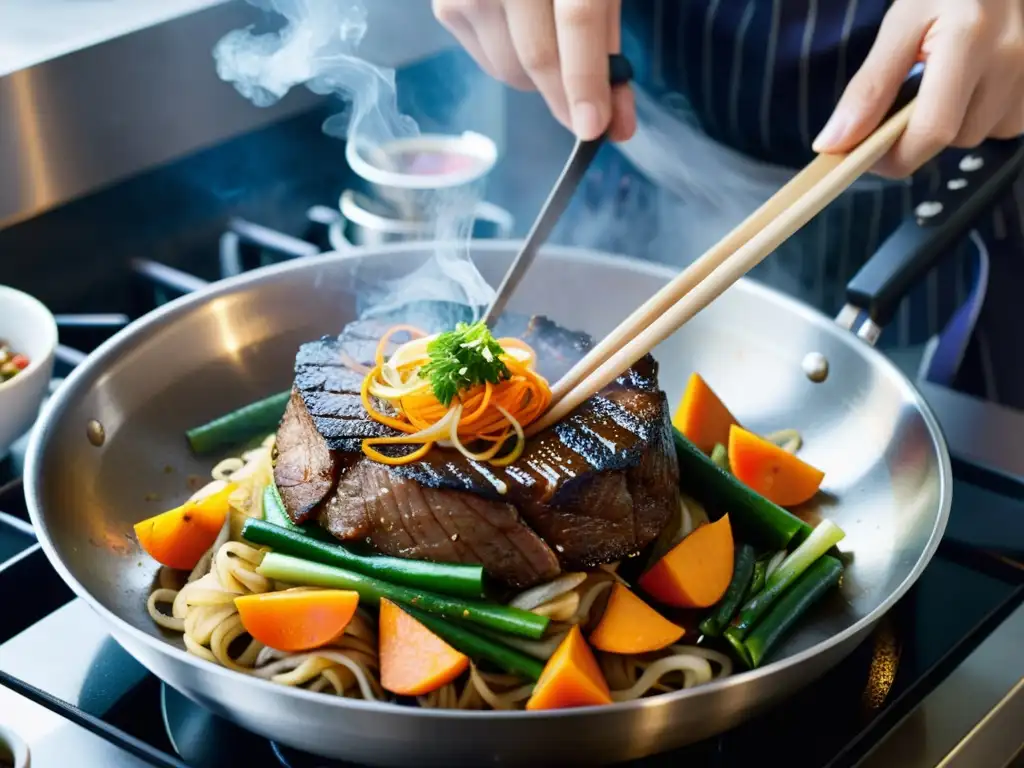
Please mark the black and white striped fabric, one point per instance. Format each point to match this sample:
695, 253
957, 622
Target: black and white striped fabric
731, 94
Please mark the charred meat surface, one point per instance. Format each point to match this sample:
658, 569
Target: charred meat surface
305, 470
595, 488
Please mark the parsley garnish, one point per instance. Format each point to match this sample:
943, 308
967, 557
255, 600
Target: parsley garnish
461, 359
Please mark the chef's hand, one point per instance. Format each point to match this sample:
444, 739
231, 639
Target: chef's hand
973, 86
558, 47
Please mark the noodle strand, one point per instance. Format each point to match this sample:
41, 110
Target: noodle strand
201, 607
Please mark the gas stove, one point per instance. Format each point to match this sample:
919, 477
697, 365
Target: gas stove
939, 679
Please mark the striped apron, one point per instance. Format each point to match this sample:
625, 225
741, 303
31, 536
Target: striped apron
730, 95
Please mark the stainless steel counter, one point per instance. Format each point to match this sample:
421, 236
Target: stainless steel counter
972, 719
76, 636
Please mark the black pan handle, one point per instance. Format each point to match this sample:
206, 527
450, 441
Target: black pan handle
982, 176
620, 71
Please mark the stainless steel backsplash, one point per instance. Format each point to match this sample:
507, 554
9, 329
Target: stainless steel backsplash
82, 120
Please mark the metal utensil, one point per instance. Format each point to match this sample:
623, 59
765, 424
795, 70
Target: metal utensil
620, 72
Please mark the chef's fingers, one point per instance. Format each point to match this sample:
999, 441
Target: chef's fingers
495, 38
464, 33
450, 14
582, 31
623, 124
1010, 58
987, 108
872, 91
1012, 124
997, 108
951, 75
481, 28
532, 26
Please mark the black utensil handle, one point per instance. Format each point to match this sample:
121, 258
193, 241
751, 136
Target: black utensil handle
620, 71
983, 176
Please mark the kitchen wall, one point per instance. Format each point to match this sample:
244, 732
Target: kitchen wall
75, 256
96, 91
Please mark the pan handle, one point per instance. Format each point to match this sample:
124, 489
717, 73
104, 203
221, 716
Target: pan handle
982, 176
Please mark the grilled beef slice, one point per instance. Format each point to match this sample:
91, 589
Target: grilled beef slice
596, 487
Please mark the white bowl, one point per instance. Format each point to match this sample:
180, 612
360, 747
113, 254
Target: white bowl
30, 329
13, 748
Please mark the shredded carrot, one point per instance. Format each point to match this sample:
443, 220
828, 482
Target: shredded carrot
491, 415
382, 345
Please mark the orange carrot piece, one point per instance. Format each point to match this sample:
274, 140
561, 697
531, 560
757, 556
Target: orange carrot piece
295, 621
766, 468
179, 537
697, 571
571, 678
413, 660
702, 416
629, 625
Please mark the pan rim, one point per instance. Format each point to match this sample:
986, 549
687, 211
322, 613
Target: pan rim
118, 343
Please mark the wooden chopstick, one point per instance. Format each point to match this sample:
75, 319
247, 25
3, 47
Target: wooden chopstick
806, 195
685, 281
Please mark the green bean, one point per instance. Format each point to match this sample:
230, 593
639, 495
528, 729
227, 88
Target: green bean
512, 621
824, 574
445, 578
742, 573
253, 420
754, 518
822, 539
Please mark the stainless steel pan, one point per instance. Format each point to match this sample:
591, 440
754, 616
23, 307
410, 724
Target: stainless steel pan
887, 469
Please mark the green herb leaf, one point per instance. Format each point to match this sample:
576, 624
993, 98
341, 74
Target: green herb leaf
461, 359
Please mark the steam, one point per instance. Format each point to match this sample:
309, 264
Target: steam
316, 47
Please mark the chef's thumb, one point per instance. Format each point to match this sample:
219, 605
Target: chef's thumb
873, 90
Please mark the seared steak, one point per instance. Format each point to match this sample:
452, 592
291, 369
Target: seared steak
596, 487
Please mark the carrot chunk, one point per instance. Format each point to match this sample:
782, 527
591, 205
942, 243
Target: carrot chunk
179, 537
413, 660
766, 468
297, 620
571, 678
629, 625
702, 416
697, 571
